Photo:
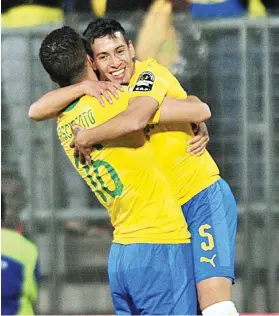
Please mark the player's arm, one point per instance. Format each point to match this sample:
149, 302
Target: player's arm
177, 107
148, 93
53, 102
192, 109
146, 97
139, 112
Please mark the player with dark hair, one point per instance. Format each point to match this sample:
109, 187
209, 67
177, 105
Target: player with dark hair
103, 27
70, 62
150, 259
19, 271
206, 199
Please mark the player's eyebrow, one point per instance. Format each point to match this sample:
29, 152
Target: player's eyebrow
120, 46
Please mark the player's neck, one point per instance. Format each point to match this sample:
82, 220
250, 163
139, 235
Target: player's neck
88, 74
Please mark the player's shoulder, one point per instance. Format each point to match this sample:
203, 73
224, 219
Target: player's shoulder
88, 100
76, 106
153, 64
94, 103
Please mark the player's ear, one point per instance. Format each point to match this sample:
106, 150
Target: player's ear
132, 49
89, 60
94, 66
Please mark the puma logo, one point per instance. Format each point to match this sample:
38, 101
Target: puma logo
211, 261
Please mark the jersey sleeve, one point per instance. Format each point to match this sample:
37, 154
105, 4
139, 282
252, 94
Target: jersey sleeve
175, 90
157, 81
150, 82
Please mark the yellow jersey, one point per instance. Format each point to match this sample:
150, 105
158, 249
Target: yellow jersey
31, 15
124, 178
187, 174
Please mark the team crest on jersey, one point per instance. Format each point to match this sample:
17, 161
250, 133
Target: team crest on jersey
145, 81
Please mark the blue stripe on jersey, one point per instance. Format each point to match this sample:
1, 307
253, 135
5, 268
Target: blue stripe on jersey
11, 285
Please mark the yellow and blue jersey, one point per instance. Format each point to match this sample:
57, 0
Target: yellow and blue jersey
19, 274
125, 178
187, 174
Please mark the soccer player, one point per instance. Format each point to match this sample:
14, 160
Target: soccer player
19, 271
206, 200
150, 262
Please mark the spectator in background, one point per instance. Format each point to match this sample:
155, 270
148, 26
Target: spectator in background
161, 42
13, 187
258, 8
20, 66
206, 9
19, 271
102, 7
23, 13
172, 39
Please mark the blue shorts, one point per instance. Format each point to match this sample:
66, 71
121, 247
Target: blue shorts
154, 279
212, 220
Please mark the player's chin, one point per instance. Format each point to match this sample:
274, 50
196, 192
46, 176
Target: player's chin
126, 79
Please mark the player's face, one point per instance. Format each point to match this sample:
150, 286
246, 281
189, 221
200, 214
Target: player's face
113, 58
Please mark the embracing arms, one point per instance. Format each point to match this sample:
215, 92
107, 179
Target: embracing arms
53, 102
140, 112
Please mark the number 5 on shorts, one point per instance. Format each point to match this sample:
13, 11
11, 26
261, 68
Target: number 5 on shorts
209, 245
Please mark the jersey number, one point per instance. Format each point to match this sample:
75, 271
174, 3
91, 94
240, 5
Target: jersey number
113, 174
203, 233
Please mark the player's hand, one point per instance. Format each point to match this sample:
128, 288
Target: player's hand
81, 152
199, 142
100, 89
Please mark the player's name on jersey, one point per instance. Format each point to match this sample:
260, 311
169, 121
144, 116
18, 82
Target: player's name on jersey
84, 119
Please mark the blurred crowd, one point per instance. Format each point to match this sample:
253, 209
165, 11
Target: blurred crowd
22, 13
157, 15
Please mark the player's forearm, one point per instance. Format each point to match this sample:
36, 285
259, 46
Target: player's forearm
53, 102
191, 109
112, 129
139, 112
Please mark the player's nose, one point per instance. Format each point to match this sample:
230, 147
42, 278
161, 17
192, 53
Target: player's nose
115, 62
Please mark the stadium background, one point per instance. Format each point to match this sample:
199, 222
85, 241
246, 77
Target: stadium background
233, 64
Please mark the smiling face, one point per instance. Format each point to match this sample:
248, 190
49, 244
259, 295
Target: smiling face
114, 58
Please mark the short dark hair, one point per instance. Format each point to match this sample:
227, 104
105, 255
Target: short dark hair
63, 55
103, 27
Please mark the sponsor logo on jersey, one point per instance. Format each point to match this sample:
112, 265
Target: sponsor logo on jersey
145, 81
